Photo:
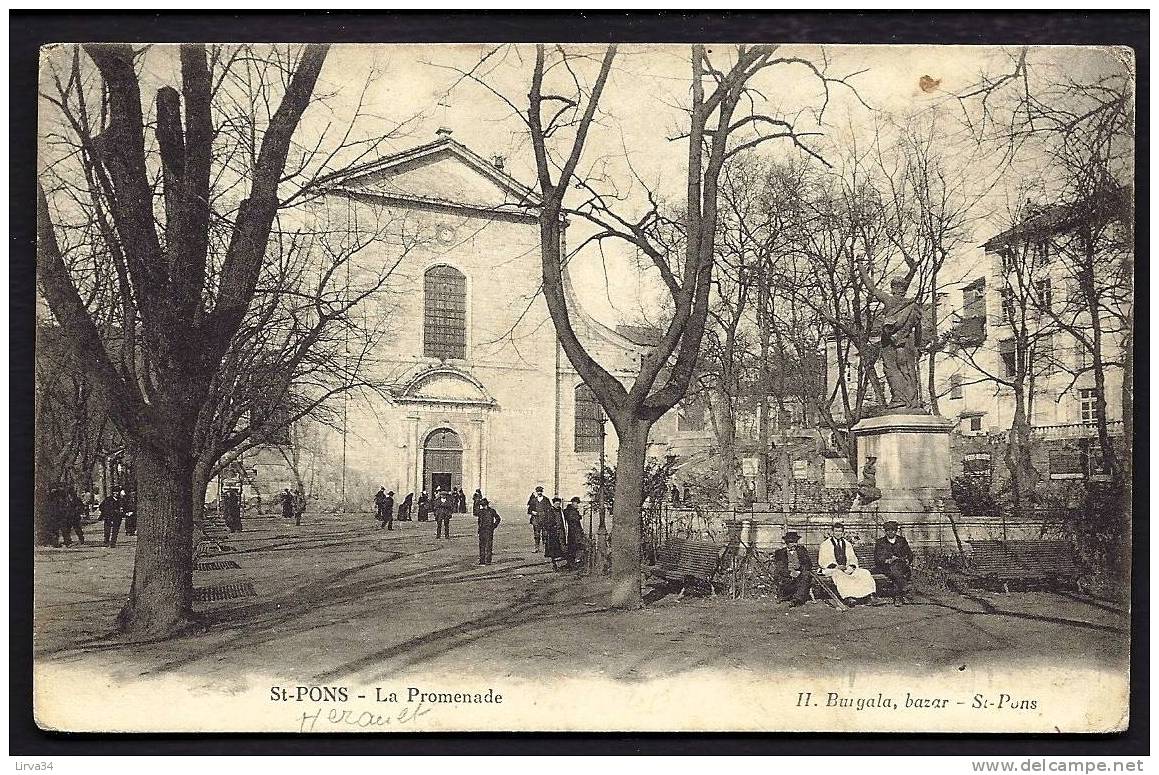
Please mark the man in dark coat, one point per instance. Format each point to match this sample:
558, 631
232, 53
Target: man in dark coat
576, 541
72, 517
488, 520
386, 511
538, 507
442, 506
553, 534
231, 510
893, 557
287, 499
476, 501
112, 516
792, 570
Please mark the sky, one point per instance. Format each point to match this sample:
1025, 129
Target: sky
422, 86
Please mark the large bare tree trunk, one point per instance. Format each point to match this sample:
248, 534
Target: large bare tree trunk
161, 595
627, 501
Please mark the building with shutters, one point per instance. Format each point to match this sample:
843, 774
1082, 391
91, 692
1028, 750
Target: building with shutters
1020, 306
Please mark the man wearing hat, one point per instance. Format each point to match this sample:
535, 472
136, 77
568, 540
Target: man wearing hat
895, 559
791, 566
538, 508
839, 562
488, 521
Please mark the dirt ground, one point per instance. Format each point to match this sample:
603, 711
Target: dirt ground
338, 600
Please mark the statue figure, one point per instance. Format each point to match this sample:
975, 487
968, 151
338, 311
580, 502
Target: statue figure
901, 333
867, 491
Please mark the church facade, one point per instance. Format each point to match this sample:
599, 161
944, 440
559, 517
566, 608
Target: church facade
478, 392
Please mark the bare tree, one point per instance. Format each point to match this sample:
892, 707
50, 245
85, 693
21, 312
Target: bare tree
724, 119
184, 199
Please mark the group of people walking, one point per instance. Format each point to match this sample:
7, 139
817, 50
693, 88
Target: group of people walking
558, 529
793, 568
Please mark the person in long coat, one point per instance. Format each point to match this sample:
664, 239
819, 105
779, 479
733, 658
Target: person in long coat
576, 540
488, 520
476, 502
839, 562
553, 533
111, 515
405, 509
424, 506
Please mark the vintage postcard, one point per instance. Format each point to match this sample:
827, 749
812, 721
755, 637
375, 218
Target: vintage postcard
575, 387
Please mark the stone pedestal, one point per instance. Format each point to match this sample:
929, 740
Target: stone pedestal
913, 474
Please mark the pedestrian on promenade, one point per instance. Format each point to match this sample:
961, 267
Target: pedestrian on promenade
129, 507
476, 501
575, 533
380, 506
112, 516
386, 513
74, 510
538, 507
488, 520
424, 506
461, 504
287, 498
442, 507
553, 534
405, 509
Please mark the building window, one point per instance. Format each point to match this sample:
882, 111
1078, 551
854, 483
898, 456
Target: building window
974, 299
1007, 350
1042, 291
690, 417
955, 386
1041, 253
977, 465
1087, 400
445, 313
1044, 354
1008, 311
587, 420
1096, 464
976, 423
1007, 256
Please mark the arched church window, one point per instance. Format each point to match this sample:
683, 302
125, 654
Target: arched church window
587, 420
444, 313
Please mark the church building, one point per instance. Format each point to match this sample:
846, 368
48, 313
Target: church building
479, 392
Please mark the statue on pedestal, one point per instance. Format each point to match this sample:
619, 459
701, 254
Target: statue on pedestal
901, 337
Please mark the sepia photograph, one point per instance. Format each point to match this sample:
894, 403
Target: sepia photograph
583, 387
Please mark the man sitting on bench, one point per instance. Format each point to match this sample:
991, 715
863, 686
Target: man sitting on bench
791, 566
893, 557
838, 561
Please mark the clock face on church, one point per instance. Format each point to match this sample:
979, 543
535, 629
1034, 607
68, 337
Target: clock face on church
444, 234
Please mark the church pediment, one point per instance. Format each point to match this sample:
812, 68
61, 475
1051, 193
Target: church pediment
445, 386
444, 173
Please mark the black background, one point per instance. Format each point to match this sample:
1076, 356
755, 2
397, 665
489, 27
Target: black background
28, 31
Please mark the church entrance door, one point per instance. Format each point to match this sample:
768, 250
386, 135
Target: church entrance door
442, 460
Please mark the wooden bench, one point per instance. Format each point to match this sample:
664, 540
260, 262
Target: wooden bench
685, 560
1023, 561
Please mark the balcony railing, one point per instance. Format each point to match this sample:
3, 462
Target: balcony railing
1075, 430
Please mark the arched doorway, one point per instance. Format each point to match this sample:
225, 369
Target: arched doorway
442, 460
